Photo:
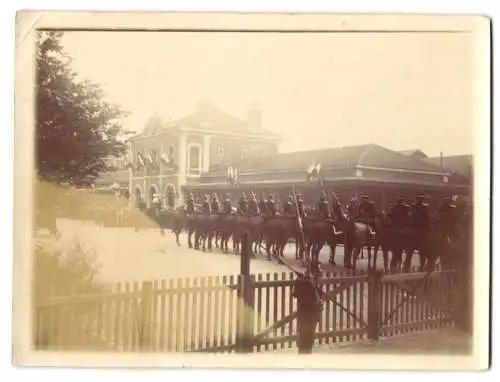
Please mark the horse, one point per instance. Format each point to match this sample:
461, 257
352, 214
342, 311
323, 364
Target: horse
357, 235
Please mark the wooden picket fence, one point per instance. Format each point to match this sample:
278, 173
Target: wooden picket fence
231, 313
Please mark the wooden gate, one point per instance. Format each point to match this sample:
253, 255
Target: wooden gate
243, 313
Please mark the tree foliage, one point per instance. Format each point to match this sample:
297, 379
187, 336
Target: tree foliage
76, 129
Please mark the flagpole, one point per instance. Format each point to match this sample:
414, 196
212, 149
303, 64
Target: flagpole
299, 219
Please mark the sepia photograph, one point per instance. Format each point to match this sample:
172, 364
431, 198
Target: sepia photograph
310, 187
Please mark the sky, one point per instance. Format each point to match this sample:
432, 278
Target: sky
401, 91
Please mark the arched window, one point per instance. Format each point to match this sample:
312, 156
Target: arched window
170, 196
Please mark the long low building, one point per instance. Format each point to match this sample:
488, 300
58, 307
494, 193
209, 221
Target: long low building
381, 173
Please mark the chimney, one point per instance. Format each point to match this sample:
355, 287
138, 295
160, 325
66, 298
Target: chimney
255, 117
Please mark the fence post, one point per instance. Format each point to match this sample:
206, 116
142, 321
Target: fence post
245, 300
374, 277
145, 322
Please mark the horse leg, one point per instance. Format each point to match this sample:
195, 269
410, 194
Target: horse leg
177, 238
355, 255
189, 235
385, 254
396, 259
210, 237
407, 262
269, 244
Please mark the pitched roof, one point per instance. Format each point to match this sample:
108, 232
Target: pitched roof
461, 164
368, 155
412, 152
208, 116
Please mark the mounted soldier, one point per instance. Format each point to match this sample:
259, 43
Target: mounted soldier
190, 204
215, 204
227, 205
262, 204
367, 211
253, 205
271, 206
205, 208
420, 214
446, 214
399, 213
323, 207
352, 208
300, 206
288, 206
242, 204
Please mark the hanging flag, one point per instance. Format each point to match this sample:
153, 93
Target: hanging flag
230, 175
140, 159
165, 159
313, 171
235, 176
150, 159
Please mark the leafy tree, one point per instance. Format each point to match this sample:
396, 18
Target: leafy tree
76, 129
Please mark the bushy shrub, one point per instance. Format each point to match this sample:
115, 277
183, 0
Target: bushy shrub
65, 268
62, 269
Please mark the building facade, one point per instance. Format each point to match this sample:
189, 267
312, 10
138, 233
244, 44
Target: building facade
171, 155
381, 173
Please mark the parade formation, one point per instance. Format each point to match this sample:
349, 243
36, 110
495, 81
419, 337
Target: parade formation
408, 227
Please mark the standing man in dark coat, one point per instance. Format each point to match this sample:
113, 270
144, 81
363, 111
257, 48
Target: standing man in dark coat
309, 303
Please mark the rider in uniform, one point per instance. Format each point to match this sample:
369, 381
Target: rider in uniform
242, 204
288, 206
271, 206
253, 205
227, 205
190, 204
421, 214
215, 204
446, 211
400, 212
206, 206
367, 211
323, 207
262, 204
352, 207
300, 206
